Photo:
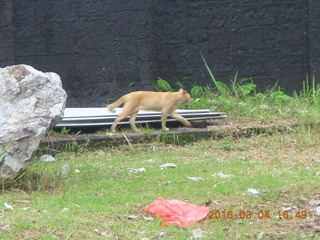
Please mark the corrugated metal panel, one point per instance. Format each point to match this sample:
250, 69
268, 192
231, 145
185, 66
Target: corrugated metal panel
102, 117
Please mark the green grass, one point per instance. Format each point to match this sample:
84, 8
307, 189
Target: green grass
100, 191
241, 98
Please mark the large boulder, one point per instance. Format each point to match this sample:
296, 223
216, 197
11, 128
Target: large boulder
30, 102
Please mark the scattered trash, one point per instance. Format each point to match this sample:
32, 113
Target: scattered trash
177, 212
197, 233
7, 206
153, 147
65, 169
196, 179
260, 235
65, 210
286, 208
317, 211
137, 170
77, 171
148, 161
149, 219
222, 175
317, 173
26, 208
219, 160
132, 217
168, 165
105, 234
47, 158
159, 235
253, 192
314, 202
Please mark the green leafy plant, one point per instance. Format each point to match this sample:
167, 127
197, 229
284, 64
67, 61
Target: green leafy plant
163, 86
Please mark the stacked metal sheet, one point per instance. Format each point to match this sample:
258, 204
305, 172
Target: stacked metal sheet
102, 117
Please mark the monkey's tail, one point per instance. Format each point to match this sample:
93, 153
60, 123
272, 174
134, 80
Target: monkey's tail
117, 103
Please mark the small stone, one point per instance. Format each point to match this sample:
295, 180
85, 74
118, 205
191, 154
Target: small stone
47, 158
222, 175
317, 211
196, 179
253, 192
149, 161
286, 208
65, 169
314, 202
197, 234
158, 235
168, 165
304, 201
138, 170
153, 148
149, 219
260, 235
132, 217
7, 206
65, 210
104, 234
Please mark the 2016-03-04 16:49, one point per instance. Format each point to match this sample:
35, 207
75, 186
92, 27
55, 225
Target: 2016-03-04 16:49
256, 215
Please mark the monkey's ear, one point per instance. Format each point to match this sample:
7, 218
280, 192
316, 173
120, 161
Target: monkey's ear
183, 91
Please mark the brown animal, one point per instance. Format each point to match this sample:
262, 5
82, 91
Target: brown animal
166, 102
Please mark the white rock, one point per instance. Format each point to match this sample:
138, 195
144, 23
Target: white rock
219, 160
132, 217
197, 234
222, 175
260, 235
168, 165
7, 206
159, 235
149, 219
314, 202
196, 179
317, 211
47, 158
138, 170
104, 234
30, 102
65, 210
253, 192
65, 169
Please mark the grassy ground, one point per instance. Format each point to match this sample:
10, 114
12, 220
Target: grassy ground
101, 197
100, 193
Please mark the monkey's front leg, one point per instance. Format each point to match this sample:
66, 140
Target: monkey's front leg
164, 115
181, 119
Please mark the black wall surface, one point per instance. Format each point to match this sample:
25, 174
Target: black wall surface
105, 48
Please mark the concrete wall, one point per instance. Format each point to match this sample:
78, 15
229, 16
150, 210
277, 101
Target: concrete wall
105, 48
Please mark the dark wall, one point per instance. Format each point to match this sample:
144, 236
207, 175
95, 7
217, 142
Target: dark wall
105, 48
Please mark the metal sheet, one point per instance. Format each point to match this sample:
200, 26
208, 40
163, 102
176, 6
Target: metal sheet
102, 117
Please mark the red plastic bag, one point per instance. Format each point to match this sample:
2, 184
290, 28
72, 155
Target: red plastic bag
177, 212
